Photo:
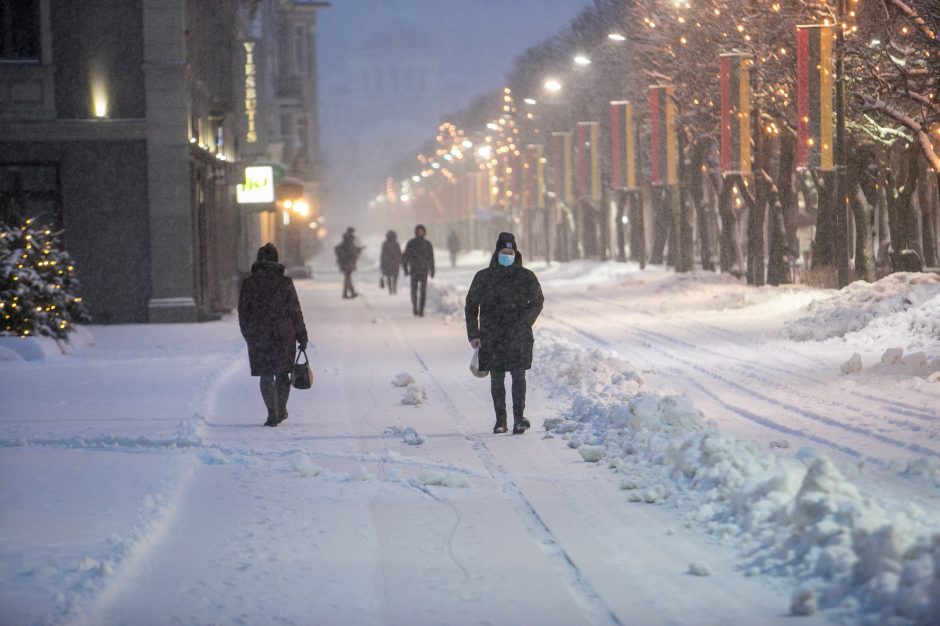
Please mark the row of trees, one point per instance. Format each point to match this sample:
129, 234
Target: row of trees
891, 57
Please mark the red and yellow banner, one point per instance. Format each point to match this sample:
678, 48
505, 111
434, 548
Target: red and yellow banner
623, 142
735, 82
588, 161
664, 145
562, 170
814, 94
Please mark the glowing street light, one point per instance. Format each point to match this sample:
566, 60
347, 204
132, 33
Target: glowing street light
529, 101
552, 85
582, 60
485, 152
616, 37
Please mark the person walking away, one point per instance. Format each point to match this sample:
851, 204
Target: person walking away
391, 261
503, 302
271, 322
418, 262
453, 246
347, 253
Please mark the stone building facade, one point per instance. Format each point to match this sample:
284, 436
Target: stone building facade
121, 122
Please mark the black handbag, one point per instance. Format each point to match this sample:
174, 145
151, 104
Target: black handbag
302, 376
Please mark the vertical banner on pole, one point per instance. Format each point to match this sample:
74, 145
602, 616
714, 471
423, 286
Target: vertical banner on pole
588, 161
664, 147
623, 142
735, 113
562, 170
814, 95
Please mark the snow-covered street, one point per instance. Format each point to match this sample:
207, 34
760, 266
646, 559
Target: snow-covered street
137, 485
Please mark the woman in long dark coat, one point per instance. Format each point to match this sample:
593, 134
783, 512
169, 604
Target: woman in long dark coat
272, 323
391, 260
503, 303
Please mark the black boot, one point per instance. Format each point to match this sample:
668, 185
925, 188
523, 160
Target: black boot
520, 425
283, 392
269, 395
500, 426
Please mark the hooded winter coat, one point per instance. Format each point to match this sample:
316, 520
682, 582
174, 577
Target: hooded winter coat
270, 319
347, 253
418, 258
502, 305
391, 255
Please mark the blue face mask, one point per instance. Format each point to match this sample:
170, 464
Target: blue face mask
506, 259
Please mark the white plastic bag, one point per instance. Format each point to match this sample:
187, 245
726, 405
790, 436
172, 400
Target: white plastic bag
475, 365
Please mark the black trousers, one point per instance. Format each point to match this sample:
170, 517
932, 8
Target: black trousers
498, 389
419, 290
275, 388
348, 290
392, 281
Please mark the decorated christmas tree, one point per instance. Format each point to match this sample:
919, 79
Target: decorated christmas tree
38, 289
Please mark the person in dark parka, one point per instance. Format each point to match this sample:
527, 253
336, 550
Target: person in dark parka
347, 254
391, 261
271, 322
503, 303
418, 261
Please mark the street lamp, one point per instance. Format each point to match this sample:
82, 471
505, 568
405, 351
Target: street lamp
582, 60
552, 85
616, 37
529, 101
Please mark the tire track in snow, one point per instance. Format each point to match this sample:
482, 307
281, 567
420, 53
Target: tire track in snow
814, 416
746, 413
910, 410
574, 579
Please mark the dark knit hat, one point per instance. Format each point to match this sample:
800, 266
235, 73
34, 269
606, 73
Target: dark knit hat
506, 240
267, 252
421, 226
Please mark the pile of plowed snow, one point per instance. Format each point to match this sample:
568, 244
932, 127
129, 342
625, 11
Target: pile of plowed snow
797, 517
903, 300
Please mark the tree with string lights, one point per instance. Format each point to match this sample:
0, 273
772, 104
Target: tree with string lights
38, 288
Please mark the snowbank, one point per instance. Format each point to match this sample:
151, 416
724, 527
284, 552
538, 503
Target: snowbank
907, 300
797, 517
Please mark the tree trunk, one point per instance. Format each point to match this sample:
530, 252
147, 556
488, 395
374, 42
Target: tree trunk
728, 249
620, 226
637, 228
862, 213
823, 243
928, 211
697, 195
662, 216
784, 183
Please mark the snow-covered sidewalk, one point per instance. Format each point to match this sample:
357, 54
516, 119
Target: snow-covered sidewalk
137, 485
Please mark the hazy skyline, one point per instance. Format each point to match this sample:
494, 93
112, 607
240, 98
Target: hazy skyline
476, 44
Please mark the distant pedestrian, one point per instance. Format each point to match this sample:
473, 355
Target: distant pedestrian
347, 254
391, 261
503, 303
453, 246
418, 262
271, 322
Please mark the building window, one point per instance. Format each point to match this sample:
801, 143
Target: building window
19, 30
30, 190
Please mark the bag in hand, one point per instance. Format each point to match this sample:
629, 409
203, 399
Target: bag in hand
475, 365
302, 376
